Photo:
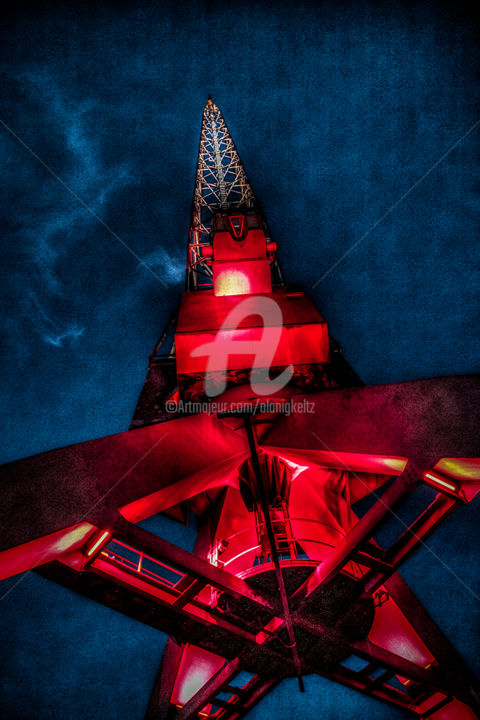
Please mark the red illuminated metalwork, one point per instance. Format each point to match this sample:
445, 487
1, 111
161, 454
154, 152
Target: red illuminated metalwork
441, 482
98, 543
221, 188
287, 577
238, 226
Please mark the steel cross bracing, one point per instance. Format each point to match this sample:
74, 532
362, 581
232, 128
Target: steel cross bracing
246, 640
80, 507
164, 586
221, 183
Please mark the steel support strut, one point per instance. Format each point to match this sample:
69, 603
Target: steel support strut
453, 666
159, 705
402, 486
442, 680
273, 550
207, 693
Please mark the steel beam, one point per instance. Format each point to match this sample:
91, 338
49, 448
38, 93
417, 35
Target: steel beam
273, 550
194, 566
361, 532
451, 663
206, 694
159, 705
422, 420
414, 536
258, 690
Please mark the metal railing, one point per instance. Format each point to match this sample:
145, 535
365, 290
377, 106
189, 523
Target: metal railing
142, 564
290, 546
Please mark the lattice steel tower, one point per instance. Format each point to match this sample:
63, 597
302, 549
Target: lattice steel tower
290, 574
221, 184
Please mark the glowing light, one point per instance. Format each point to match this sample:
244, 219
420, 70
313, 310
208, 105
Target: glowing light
460, 468
44, 549
251, 549
440, 481
296, 469
232, 282
74, 537
98, 543
355, 462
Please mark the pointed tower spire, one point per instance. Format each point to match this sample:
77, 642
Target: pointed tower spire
221, 184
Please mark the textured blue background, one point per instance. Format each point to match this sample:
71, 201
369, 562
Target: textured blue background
337, 110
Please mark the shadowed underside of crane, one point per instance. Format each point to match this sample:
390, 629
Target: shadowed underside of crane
299, 501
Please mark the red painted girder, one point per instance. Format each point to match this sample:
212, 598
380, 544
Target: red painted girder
246, 697
450, 661
159, 704
388, 695
259, 689
207, 693
414, 536
220, 578
197, 567
361, 532
236, 587
423, 420
374, 653
59, 489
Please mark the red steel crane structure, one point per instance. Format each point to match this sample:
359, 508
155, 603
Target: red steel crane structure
300, 491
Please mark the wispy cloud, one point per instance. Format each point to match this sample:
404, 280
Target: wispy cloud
51, 230
52, 331
64, 132
72, 334
169, 267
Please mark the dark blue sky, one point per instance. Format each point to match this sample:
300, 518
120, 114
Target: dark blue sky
337, 110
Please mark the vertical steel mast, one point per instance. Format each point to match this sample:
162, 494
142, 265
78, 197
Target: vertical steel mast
221, 184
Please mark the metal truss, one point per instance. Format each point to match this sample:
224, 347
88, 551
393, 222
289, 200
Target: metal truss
80, 507
221, 183
127, 568
176, 606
